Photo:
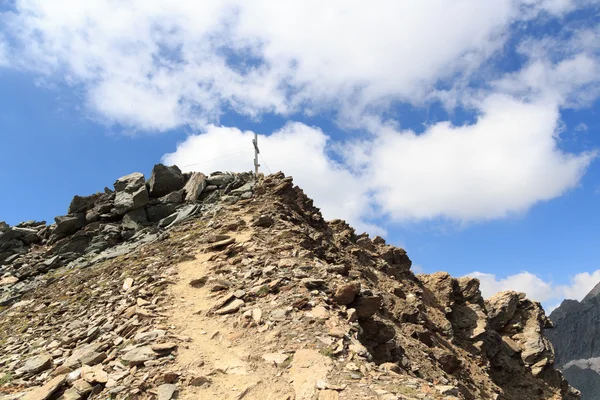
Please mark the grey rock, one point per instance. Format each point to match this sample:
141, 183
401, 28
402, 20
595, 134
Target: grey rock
84, 354
175, 197
126, 201
231, 308
181, 215
247, 187
165, 180
157, 212
146, 337
574, 338
138, 356
27, 235
130, 183
69, 224
77, 243
194, 186
220, 179
37, 364
81, 204
166, 391
585, 379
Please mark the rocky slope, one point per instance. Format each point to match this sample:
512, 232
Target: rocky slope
575, 339
228, 287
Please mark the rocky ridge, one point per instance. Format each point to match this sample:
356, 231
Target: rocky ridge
577, 325
228, 286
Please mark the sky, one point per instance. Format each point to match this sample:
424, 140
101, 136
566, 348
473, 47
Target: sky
465, 131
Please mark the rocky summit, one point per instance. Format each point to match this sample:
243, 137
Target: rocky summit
577, 326
233, 286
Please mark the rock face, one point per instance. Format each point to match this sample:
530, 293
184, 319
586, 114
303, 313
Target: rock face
102, 225
165, 180
575, 333
292, 306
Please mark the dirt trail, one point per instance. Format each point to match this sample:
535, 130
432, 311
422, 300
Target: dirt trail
217, 351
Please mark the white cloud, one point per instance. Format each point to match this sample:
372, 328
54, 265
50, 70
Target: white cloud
537, 288
296, 149
580, 286
504, 163
154, 65
151, 65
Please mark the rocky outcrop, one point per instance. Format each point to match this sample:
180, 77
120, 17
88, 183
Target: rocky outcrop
89, 313
165, 180
575, 333
98, 223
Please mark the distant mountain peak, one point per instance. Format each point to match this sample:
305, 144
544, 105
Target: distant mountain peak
595, 292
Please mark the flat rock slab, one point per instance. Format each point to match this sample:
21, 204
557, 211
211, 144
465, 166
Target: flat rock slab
145, 337
37, 364
163, 347
44, 392
166, 392
139, 356
231, 308
307, 368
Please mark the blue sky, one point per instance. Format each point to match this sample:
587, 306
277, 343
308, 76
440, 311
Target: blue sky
471, 142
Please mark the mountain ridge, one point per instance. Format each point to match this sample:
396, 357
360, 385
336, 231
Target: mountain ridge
231, 286
577, 325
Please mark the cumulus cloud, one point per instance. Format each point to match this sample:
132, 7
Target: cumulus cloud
149, 65
157, 66
503, 163
537, 288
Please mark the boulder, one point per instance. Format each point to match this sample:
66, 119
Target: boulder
194, 187
165, 180
69, 224
36, 364
345, 294
81, 204
27, 235
130, 183
175, 197
166, 391
181, 215
138, 356
156, 212
134, 218
127, 201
